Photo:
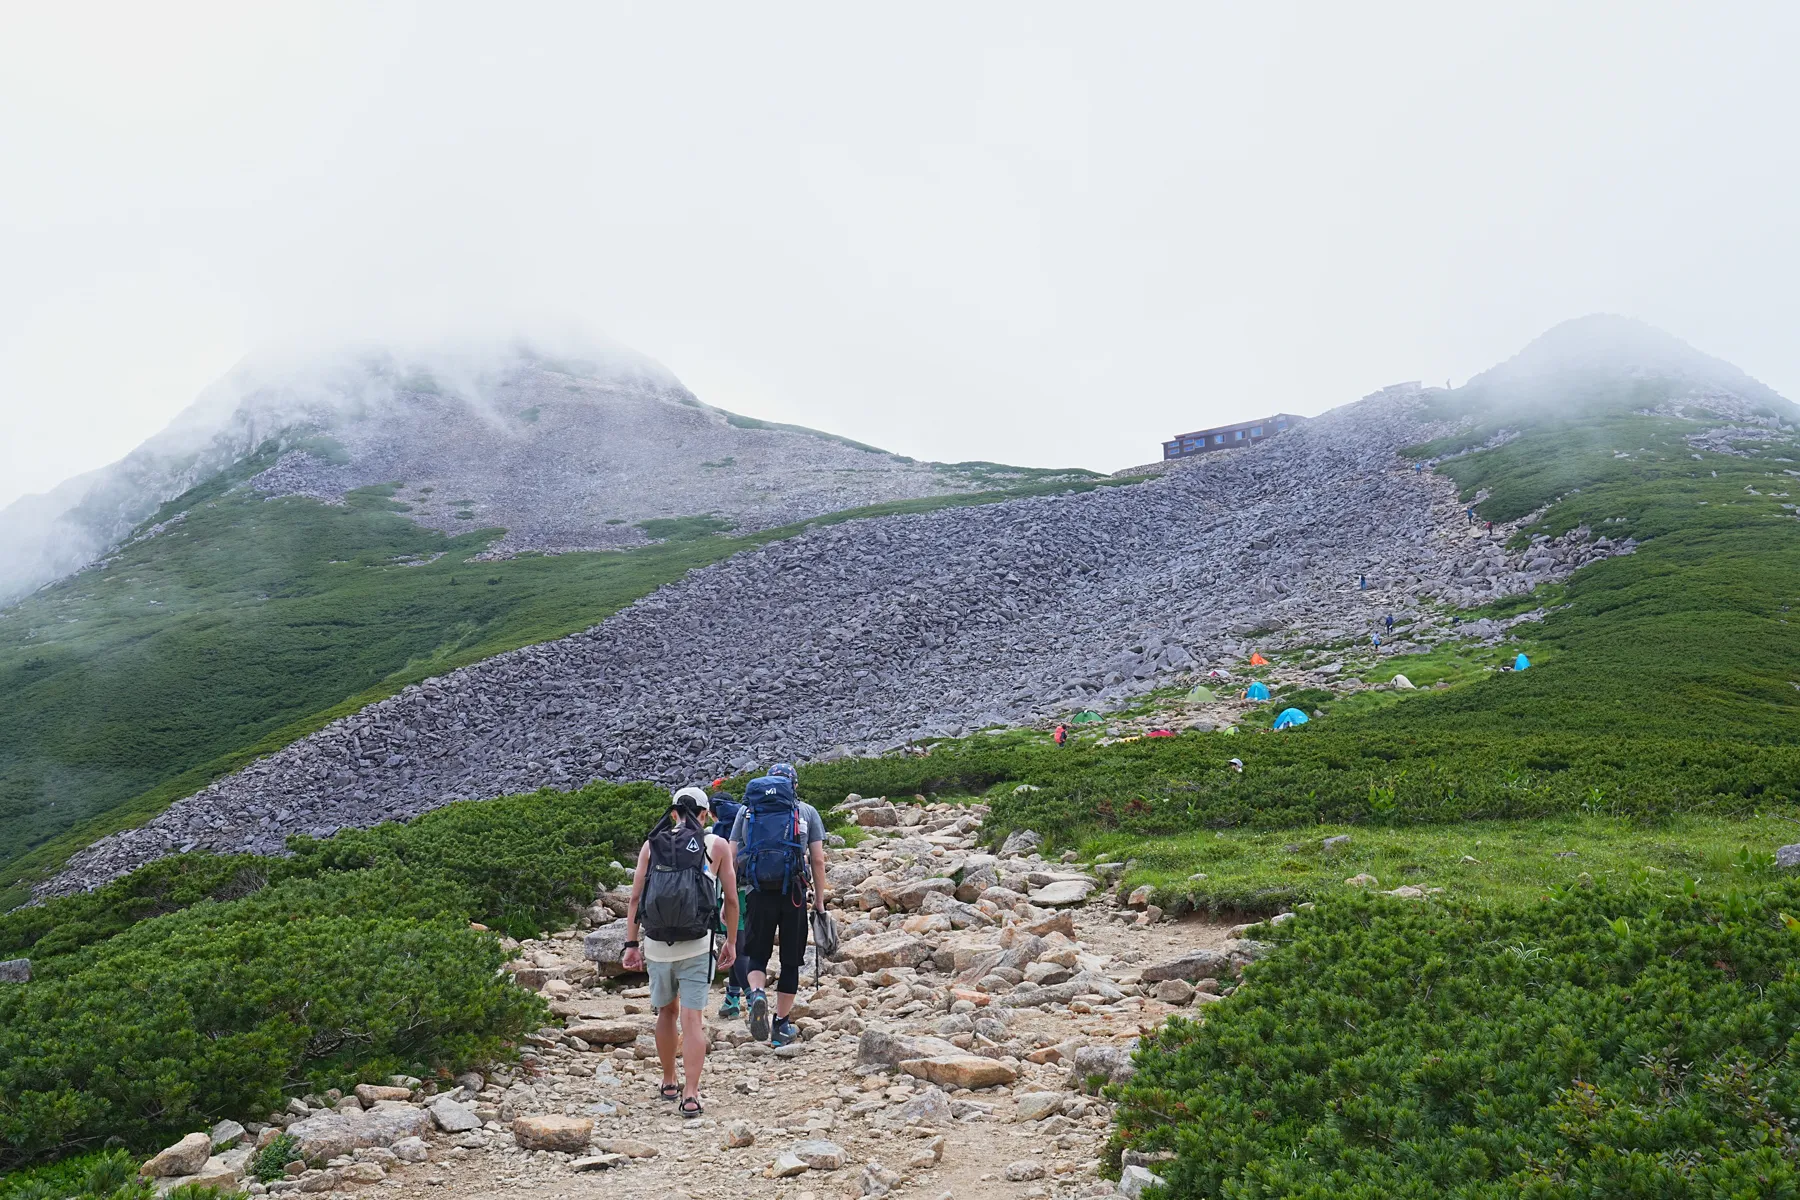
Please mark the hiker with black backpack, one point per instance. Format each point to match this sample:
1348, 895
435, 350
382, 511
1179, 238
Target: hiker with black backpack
779, 842
684, 874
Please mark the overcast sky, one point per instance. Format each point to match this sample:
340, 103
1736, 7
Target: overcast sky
1034, 233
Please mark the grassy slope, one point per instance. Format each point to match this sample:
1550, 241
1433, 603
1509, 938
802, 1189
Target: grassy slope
251, 622
1664, 685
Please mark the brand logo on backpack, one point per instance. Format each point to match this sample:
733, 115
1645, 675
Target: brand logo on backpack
774, 835
680, 899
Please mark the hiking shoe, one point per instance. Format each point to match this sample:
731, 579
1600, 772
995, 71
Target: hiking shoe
733, 1007
759, 1017
784, 1033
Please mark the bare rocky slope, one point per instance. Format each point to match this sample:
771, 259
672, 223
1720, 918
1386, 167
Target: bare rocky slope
858, 636
564, 452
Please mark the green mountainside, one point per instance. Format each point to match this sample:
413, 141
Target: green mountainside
1602, 1000
248, 622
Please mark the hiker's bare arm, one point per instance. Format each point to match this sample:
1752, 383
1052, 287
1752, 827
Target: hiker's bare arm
817, 853
634, 955
725, 867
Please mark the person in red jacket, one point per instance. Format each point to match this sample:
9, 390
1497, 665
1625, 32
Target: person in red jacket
1061, 735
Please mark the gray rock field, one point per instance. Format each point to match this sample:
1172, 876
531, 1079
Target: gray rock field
860, 636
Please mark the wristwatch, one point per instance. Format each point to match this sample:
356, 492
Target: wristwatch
631, 945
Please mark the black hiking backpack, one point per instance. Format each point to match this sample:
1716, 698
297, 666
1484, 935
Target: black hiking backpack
681, 900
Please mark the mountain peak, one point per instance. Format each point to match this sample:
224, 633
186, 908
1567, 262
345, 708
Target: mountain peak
1608, 349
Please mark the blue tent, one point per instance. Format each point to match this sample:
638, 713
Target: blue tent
1257, 691
1289, 718
1521, 662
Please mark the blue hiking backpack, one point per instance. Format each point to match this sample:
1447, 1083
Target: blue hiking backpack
774, 835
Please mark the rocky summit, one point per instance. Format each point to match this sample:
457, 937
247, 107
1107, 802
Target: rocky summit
563, 451
969, 1069
861, 636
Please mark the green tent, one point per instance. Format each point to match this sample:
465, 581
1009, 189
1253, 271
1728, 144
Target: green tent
1087, 717
1202, 693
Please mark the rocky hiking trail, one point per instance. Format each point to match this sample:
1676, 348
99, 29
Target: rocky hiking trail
951, 1050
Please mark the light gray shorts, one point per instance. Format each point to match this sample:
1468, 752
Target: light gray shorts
688, 978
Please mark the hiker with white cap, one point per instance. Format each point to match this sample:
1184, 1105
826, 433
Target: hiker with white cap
684, 874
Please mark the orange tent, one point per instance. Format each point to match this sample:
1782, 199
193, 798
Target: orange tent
1257, 660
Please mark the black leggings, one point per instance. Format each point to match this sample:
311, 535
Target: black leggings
740, 966
767, 914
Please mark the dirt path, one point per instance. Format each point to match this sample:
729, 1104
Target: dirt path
875, 1127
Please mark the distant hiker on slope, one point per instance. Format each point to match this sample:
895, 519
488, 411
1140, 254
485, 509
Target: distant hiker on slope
780, 845
682, 872
1060, 735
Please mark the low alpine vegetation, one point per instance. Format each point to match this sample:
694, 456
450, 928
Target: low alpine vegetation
1626, 1042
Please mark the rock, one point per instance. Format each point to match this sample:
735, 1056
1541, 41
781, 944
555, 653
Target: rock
629, 1147
1140, 897
185, 1157
362, 1172
820, 1155
1134, 1179
1192, 966
961, 1071
1785, 856
370, 1093
884, 816
1062, 922
1035, 1106
605, 1033
1174, 991
226, 1134
1111, 1062
15, 970
329, 1135
787, 1165
412, 1150
605, 947
1061, 894
221, 1171
876, 1047
875, 951
737, 1135
930, 1107
597, 1162
569, 1135
1336, 841
1020, 843
1363, 879
452, 1117
912, 896
1025, 1170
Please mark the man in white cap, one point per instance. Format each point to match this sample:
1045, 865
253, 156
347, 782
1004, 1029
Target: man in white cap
684, 873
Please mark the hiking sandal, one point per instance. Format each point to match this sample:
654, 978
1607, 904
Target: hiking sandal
669, 1091
690, 1107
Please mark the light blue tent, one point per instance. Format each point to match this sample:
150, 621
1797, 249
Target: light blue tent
1521, 662
1257, 691
1289, 718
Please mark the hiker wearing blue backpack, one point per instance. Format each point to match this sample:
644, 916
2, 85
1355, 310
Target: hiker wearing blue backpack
779, 841
737, 984
684, 875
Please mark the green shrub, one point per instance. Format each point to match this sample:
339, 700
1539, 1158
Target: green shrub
108, 1175
1632, 1043
193, 990
270, 1162
219, 1008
